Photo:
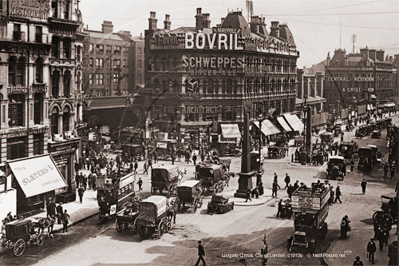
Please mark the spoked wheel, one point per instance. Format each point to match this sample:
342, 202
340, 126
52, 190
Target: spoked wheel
168, 226
19, 247
161, 228
378, 215
119, 227
40, 240
199, 204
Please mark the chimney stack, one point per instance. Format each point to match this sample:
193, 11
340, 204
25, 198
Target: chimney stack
275, 29
222, 20
152, 21
107, 27
380, 55
199, 20
372, 54
167, 22
206, 23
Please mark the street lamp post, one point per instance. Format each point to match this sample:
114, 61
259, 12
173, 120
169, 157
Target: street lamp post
260, 119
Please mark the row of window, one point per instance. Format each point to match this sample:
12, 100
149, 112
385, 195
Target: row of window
16, 110
18, 35
99, 79
17, 71
105, 92
117, 63
63, 11
108, 49
18, 147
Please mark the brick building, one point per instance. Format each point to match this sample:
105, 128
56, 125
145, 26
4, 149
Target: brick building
198, 76
114, 62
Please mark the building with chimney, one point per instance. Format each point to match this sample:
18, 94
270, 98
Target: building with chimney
359, 83
198, 77
114, 62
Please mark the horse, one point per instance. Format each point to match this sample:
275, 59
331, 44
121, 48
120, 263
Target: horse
48, 223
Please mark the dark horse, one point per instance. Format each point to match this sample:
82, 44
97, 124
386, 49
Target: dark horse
46, 223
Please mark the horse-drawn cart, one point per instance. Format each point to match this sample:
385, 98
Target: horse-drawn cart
190, 192
165, 177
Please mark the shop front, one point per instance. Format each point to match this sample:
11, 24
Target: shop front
35, 180
64, 154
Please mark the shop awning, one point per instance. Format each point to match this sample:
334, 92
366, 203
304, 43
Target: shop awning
270, 126
284, 124
266, 131
230, 131
294, 122
37, 175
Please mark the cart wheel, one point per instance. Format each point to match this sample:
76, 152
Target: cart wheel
195, 205
199, 203
140, 229
19, 247
119, 227
378, 215
161, 227
40, 240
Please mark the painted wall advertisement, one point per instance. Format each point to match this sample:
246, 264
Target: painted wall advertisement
38, 9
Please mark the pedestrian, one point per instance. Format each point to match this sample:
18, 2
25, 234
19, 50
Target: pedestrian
364, 184
392, 169
345, 227
173, 159
65, 221
274, 189
136, 166
357, 261
338, 195
371, 249
275, 178
255, 192
382, 238
51, 208
77, 179
352, 162
248, 195
145, 168
81, 191
344, 169
140, 183
289, 243
290, 190
386, 169
287, 180
150, 163
393, 254
60, 212
279, 208
201, 254
194, 158
296, 185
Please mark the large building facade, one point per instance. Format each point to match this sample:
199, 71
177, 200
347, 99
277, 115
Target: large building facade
200, 76
38, 89
359, 83
114, 62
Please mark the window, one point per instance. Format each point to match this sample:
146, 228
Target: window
55, 84
55, 47
65, 9
91, 48
107, 79
116, 78
99, 79
100, 48
125, 63
38, 108
17, 32
117, 63
99, 63
39, 70
16, 110
38, 144
67, 48
109, 48
117, 50
54, 120
67, 84
16, 71
108, 63
139, 64
125, 50
38, 35
91, 62
65, 119
90, 79
54, 8
16, 148
140, 50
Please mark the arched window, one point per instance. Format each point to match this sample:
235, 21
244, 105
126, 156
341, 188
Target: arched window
157, 64
223, 87
229, 88
16, 71
67, 84
65, 119
55, 84
39, 70
54, 120
38, 108
235, 87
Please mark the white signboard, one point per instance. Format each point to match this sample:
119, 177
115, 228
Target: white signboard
37, 175
231, 131
112, 210
162, 145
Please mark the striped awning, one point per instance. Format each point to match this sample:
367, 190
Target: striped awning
284, 124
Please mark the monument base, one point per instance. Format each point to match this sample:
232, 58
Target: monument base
245, 181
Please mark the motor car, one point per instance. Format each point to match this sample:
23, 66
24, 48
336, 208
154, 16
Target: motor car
335, 167
220, 204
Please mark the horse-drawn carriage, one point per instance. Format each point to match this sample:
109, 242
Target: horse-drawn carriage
153, 216
22, 233
335, 167
126, 218
165, 177
366, 160
347, 149
213, 177
190, 192
389, 210
327, 138
275, 152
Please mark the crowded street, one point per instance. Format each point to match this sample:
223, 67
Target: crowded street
233, 238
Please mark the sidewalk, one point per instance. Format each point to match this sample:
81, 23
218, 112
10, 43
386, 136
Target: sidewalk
241, 201
76, 210
351, 248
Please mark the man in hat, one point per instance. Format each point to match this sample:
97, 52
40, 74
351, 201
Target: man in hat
287, 180
364, 184
201, 254
371, 249
357, 261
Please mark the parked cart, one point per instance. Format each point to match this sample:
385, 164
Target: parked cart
213, 177
190, 192
152, 217
126, 218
